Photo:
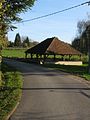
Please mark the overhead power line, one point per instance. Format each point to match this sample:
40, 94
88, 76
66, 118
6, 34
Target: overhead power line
60, 11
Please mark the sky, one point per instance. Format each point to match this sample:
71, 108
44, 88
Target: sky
62, 25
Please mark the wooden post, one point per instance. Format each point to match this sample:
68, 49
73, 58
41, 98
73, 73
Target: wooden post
40, 57
54, 57
25, 55
69, 57
31, 56
62, 58
36, 56
44, 57
80, 57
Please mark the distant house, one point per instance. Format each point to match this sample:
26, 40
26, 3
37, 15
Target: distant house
52, 46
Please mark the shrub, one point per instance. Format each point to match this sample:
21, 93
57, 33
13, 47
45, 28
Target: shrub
75, 58
85, 59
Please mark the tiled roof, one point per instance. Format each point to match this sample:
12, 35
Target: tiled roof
53, 46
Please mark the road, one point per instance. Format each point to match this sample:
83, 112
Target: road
51, 95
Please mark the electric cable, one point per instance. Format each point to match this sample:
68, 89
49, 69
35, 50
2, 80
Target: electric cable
50, 14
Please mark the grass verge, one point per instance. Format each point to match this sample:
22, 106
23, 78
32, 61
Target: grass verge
76, 70
10, 90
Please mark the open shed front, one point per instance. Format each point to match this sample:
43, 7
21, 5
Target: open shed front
54, 51
55, 59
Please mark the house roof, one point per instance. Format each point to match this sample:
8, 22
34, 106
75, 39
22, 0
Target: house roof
53, 46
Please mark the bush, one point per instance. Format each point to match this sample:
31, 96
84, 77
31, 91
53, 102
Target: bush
85, 59
75, 58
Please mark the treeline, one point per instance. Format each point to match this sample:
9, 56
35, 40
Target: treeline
81, 41
21, 42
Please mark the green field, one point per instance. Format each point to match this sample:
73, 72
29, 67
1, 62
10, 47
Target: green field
79, 70
20, 53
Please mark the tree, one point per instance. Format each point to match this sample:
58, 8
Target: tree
9, 12
26, 42
3, 38
82, 25
76, 43
3, 41
9, 9
81, 42
10, 44
34, 43
17, 41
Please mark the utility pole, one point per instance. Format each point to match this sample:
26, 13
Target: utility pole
88, 37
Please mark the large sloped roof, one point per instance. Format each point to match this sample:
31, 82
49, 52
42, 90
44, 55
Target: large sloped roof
53, 46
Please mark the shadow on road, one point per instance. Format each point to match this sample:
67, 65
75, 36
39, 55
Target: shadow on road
46, 116
83, 91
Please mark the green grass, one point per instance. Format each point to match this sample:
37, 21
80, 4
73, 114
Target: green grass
14, 53
10, 90
86, 76
77, 70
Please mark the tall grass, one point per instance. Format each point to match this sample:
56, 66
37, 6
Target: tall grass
10, 90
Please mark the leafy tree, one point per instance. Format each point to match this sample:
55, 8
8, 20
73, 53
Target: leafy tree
81, 25
3, 38
34, 43
81, 42
17, 41
76, 43
9, 12
3, 41
26, 42
9, 9
10, 44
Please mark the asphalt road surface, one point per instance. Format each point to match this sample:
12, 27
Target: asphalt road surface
51, 95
